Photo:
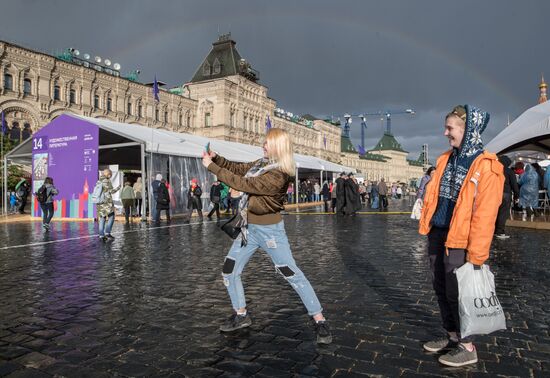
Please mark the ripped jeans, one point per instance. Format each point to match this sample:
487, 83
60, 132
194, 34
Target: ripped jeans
272, 239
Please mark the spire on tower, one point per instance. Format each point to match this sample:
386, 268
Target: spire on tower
542, 88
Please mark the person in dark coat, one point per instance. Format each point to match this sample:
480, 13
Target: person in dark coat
163, 201
194, 198
326, 196
22, 190
341, 193
510, 187
215, 198
353, 200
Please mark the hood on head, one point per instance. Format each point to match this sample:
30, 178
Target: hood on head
505, 161
476, 122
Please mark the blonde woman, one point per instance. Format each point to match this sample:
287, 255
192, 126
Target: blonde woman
264, 183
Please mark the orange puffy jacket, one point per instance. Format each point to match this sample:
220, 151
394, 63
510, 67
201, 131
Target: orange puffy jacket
473, 222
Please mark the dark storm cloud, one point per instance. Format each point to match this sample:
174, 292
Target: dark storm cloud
322, 57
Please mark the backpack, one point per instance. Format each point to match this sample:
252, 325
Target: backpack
98, 197
42, 194
198, 191
163, 197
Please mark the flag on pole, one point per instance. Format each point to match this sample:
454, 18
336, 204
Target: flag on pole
156, 90
4, 127
361, 150
267, 123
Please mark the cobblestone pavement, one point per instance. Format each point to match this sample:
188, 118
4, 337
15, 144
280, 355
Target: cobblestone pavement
150, 303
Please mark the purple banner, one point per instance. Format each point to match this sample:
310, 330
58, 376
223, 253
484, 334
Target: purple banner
66, 150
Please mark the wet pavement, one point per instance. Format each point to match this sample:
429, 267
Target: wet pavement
150, 303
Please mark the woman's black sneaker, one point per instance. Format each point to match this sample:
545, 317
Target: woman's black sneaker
236, 322
323, 333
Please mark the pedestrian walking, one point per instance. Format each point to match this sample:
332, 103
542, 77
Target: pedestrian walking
22, 192
44, 196
353, 200
194, 198
13, 203
423, 182
326, 196
138, 187
341, 193
317, 191
529, 191
235, 197
262, 226
510, 187
103, 197
225, 197
128, 198
154, 188
375, 195
460, 209
163, 202
215, 198
383, 193
399, 192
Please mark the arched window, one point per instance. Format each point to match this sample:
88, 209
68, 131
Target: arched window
109, 104
72, 96
180, 120
57, 92
96, 102
207, 120
188, 120
129, 108
206, 69
8, 82
165, 117
27, 86
27, 131
140, 110
217, 68
156, 114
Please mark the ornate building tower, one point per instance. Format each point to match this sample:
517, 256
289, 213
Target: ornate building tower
542, 87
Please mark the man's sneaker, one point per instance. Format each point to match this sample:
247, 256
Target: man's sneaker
323, 332
236, 322
440, 344
459, 357
502, 236
109, 237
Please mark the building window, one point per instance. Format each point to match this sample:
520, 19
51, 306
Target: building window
109, 104
206, 69
232, 119
165, 117
180, 120
217, 68
207, 120
96, 102
56, 93
27, 86
140, 110
72, 96
129, 108
156, 114
8, 82
188, 121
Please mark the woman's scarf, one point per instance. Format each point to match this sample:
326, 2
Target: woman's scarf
262, 166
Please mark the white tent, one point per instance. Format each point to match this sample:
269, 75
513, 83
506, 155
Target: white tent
529, 132
179, 144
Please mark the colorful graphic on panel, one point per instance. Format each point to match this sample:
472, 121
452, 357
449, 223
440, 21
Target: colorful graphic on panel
67, 151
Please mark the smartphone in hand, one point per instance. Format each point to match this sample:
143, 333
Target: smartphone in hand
207, 148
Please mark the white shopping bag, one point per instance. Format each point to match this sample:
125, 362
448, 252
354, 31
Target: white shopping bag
478, 306
417, 210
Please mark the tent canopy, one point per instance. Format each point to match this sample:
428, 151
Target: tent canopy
167, 142
529, 132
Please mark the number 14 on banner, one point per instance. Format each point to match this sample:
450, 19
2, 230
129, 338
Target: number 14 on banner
39, 143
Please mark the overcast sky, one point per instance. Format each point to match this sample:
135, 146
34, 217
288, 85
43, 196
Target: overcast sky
322, 57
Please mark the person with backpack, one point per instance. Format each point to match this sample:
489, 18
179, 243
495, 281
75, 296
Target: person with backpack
22, 192
194, 198
102, 196
13, 203
44, 196
128, 199
163, 202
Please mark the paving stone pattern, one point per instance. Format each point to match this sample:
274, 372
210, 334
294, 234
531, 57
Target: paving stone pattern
150, 303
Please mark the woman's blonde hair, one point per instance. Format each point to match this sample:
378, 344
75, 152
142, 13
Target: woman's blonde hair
280, 150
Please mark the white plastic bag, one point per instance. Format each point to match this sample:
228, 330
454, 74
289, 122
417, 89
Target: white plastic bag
478, 306
417, 210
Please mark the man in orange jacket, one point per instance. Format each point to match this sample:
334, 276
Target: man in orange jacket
460, 208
